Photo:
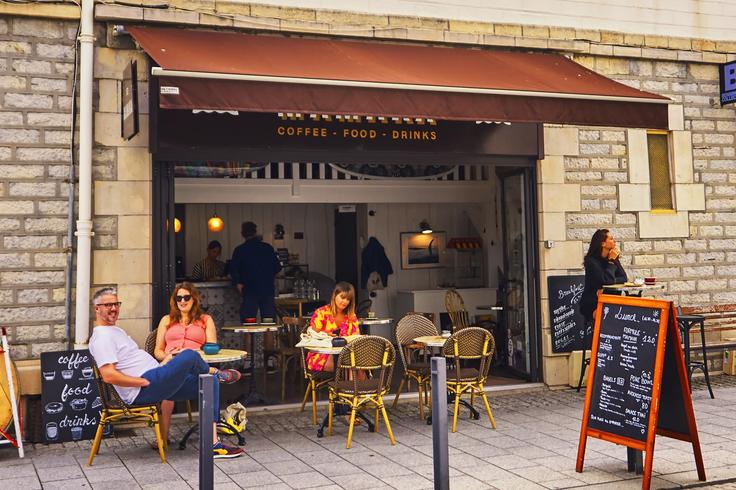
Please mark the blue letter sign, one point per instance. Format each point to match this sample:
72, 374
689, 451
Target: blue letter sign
728, 83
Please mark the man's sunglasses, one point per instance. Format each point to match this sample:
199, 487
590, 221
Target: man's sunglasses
184, 298
110, 305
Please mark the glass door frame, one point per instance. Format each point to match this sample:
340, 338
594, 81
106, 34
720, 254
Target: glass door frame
533, 306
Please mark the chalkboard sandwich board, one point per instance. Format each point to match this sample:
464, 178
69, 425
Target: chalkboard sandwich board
637, 366
567, 324
70, 401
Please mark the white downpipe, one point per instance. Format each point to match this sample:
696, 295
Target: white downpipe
84, 223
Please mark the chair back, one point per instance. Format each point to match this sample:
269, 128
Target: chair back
471, 343
108, 394
291, 328
413, 325
429, 316
367, 353
363, 308
455, 307
150, 345
303, 327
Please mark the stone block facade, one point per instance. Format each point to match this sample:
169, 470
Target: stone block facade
590, 177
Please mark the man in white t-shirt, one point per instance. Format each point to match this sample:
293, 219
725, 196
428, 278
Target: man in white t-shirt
138, 377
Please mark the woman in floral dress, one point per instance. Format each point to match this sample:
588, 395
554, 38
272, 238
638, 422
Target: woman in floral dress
338, 319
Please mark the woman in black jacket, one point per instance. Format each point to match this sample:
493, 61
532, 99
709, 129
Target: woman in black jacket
602, 267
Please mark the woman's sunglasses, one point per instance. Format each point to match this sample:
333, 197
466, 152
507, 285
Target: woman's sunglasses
184, 298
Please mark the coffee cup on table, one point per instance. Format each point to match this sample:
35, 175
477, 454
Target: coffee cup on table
650, 281
446, 334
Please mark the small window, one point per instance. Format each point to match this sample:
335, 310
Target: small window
660, 183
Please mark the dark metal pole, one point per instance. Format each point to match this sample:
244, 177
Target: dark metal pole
206, 419
439, 424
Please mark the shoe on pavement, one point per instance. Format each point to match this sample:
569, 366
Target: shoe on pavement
221, 451
228, 376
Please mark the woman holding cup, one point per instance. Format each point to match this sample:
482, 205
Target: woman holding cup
185, 327
602, 268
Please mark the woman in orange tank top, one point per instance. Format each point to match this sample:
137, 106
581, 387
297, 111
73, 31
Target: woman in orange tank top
185, 327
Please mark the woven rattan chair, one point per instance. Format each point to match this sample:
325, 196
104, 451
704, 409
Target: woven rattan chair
315, 380
455, 307
114, 409
471, 343
288, 337
374, 356
363, 308
409, 328
150, 347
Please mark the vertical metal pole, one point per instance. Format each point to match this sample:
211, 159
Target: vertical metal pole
206, 419
439, 424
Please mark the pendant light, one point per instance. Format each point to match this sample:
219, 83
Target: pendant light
177, 225
424, 227
215, 223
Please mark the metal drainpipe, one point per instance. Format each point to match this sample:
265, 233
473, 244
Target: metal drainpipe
84, 223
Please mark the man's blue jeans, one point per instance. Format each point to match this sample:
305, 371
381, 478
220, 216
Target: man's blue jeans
177, 380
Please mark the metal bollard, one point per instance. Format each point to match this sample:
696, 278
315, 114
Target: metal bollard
439, 424
206, 402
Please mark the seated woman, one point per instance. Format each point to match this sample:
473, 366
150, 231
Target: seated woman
185, 327
337, 318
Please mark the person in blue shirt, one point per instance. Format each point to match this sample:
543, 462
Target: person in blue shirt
253, 267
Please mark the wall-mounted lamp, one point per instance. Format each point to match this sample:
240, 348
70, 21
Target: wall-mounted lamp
215, 223
177, 225
424, 227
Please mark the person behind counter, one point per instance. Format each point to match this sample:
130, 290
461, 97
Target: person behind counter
185, 327
209, 268
602, 267
337, 318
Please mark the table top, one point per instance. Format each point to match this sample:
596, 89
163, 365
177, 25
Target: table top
225, 355
375, 321
432, 340
631, 286
329, 350
489, 308
294, 301
252, 328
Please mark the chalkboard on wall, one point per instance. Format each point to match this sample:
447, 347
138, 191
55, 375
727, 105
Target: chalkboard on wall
71, 404
567, 324
624, 370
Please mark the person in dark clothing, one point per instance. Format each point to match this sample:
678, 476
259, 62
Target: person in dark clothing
373, 259
602, 267
253, 267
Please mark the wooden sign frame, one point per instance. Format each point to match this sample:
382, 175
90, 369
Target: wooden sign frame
667, 328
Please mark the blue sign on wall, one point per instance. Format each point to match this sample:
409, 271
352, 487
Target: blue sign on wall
728, 83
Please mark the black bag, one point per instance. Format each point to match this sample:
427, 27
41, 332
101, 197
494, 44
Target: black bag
339, 342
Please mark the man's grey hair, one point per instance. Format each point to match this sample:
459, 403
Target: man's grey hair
104, 292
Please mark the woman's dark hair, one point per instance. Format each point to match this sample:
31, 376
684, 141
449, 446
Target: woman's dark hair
348, 290
594, 250
214, 244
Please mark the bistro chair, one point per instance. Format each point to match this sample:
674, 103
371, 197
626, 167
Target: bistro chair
150, 347
114, 410
315, 379
418, 370
427, 315
288, 337
471, 343
363, 308
455, 307
375, 357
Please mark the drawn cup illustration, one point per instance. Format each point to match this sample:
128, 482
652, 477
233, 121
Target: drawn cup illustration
54, 407
49, 375
87, 372
78, 404
67, 373
76, 433
52, 431
97, 402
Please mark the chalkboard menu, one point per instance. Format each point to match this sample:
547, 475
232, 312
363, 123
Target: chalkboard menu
568, 326
70, 401
624, 370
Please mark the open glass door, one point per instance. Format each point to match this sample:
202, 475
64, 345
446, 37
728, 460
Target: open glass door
515, 283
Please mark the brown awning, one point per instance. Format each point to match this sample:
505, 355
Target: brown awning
269, 73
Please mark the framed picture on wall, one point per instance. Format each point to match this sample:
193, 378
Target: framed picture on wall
422, 251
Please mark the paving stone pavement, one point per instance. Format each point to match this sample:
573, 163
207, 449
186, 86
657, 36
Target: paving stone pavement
534, 446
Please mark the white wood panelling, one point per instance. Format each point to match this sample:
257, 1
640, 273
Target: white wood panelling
707, 19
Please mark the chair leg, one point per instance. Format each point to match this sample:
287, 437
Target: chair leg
427, 397
398, 392
314, 402
306, 394
488, 408
421, 401
375, 421
472, 398
329, 418
582, 371
388, 425
457, 410
97, 441
283, 378
189, 411
159, 439
350, 427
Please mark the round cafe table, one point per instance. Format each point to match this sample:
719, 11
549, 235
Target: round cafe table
253, 396
432, 340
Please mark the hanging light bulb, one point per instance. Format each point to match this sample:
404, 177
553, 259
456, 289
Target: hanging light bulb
215, 223
424, 227
177, 225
